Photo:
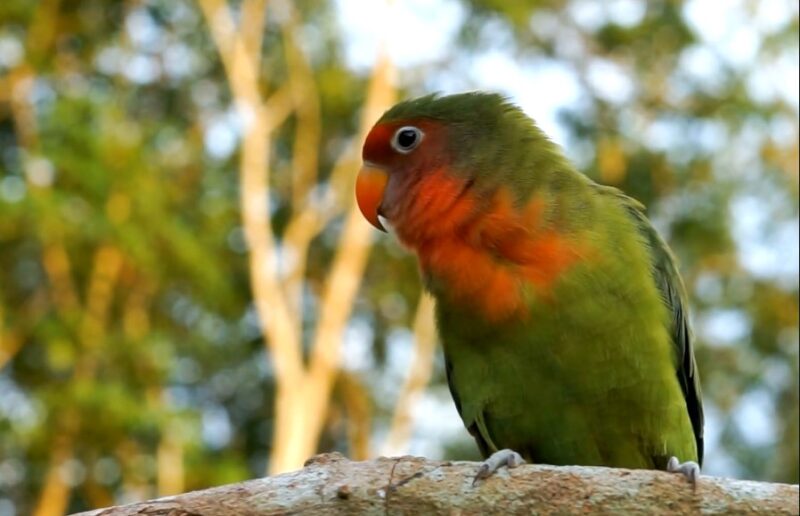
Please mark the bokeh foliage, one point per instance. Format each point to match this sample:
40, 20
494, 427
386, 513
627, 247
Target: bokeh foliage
129, 341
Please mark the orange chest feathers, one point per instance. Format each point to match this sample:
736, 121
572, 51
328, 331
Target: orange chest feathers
486, 253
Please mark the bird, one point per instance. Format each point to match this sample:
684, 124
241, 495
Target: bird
561, 313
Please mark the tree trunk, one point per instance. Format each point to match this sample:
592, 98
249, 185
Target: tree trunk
331, 484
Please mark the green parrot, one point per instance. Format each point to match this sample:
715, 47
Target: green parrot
560, 309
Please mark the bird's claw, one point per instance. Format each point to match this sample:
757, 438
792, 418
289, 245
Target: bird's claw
498, 459
689, 469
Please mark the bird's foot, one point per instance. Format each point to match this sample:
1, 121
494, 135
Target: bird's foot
497, 460
689, 469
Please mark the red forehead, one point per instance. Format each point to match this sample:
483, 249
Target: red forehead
378, 148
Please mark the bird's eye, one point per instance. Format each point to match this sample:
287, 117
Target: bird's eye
406, 139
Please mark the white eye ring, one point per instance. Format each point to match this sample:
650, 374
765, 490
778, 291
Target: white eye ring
406, 139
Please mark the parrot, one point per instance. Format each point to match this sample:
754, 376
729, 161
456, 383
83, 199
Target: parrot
560, 309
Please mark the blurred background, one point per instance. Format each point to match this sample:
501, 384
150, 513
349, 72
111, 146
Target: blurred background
189, 298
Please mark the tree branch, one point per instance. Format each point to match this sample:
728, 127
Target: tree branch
331, 484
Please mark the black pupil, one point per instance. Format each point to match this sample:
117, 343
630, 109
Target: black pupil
407, 138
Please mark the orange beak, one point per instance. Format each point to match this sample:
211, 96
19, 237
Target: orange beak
370, 185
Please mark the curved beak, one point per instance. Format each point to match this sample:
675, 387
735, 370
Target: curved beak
370, 185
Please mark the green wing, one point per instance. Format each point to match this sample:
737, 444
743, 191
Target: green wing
669, 282
473, 420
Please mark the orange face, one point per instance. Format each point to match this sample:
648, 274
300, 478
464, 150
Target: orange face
405, 178
382, 156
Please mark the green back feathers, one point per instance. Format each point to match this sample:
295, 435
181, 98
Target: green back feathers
668, 280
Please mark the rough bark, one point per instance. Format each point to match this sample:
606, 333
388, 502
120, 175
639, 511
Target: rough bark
331, 484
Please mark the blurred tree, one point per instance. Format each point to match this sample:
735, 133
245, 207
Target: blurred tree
166, 324
277, 287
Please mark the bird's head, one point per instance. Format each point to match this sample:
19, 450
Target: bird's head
427, 161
